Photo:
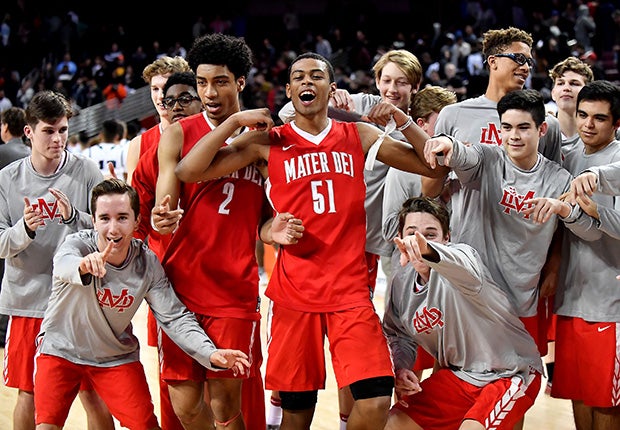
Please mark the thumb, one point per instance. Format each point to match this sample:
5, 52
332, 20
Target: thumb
27, 201
165, 201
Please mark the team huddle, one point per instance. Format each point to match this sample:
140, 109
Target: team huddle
496, 221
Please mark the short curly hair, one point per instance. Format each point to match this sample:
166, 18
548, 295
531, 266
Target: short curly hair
572, 64
221, 49
497, 41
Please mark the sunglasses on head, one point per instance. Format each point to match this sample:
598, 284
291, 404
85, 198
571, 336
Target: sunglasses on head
518, 58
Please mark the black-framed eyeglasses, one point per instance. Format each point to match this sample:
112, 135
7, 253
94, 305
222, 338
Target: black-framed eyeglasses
518, 58
184, 101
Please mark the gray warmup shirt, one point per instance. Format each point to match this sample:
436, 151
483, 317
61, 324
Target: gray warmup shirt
88, 320
27, 281
461, 317
493, 193
587, 287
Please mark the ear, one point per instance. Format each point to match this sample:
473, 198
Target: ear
543, 129
138, 218
240, 83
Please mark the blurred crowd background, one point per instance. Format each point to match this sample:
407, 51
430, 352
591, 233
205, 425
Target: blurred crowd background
95, 53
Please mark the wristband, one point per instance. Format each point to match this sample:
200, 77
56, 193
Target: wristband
406, 124
72, 217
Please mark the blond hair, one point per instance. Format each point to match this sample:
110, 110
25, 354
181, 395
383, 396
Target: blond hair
163, 66
431, 99
405, 60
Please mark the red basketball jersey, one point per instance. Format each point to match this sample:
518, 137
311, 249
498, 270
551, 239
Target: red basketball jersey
323, 184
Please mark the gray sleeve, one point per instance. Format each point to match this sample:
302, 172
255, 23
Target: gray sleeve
582, 225
460, 265
466, 161
287, 113
550, 145
403, 349
177, 321
609, 221
608, 178
399, 186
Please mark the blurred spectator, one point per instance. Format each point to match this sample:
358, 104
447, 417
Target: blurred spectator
454, 82
584, 27
5, 103
219, 25
67, 65
115, 92
590, 58
198, 28
323, 47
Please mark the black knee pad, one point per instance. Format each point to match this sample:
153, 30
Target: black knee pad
372, 387
298, 400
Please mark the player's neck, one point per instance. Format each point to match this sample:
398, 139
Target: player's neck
47, 166
568, 124
313, 125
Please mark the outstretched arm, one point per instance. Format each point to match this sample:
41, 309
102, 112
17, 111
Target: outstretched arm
208, 159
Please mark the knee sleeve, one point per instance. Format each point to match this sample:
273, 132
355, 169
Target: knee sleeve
372, 387
298, 400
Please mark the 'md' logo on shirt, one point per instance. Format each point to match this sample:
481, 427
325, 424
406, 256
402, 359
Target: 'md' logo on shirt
426, 319
512, 201
120, 302
490, 135
48, 210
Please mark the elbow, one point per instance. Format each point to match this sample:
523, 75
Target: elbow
183, 174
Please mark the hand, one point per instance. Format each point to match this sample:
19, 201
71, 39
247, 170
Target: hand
165, 220
32, 216
583, 185
231, 359
437, 147
383, 112
286, 229
112, 171
588, 205
64, 205
341, 99
411, 248
541, 209
258, 119
406, 384
94, 263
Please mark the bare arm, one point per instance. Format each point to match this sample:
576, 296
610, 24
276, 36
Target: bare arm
133, 155
401, 155
208, 159
166, 214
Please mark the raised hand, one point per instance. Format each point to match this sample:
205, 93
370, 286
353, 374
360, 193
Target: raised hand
231, 359
64, 205
437, 147
32, 216
112, 171
94, 263
164, 220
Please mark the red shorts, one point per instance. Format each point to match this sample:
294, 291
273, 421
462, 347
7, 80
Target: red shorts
296, 354
226, 333
586, 362
536, 326
499, 405
423, 361
19, 352
123, 388
372, 261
